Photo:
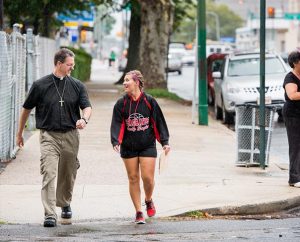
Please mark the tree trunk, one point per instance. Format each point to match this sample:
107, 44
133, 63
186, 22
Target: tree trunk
156, 23
46, 22
133, 41
36, 25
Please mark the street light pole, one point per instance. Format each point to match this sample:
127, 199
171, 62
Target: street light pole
217, 24
202, 104
262, 141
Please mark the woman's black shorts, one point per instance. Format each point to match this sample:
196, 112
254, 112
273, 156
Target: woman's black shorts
150, 151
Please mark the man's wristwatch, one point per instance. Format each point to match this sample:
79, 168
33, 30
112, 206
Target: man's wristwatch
86, 122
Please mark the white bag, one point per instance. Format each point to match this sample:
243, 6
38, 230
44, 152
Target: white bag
163, 162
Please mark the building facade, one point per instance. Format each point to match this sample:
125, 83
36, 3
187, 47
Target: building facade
282, 31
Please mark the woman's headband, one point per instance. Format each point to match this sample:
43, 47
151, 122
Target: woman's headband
134, 76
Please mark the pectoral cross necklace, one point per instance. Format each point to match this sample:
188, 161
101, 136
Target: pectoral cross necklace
61, 101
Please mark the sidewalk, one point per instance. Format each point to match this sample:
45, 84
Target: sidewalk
201, 172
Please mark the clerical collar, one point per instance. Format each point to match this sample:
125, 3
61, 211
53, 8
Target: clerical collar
58, 78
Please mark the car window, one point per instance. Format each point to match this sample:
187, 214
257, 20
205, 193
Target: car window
249, 67
216, 65
177, 46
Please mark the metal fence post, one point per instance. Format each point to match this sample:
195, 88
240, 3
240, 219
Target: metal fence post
18, 87
30, 43
29, 48
16, 29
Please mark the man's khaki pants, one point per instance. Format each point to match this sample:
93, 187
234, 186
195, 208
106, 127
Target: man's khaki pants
58, 160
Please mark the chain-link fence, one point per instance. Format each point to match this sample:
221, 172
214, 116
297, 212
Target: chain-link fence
247, 127
12, 88
40, 56
6, 84
20, 66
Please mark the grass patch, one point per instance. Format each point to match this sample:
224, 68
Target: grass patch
194, 214
197, 214
164, 93
2, 222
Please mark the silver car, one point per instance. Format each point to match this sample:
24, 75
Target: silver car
174, 64
239, 83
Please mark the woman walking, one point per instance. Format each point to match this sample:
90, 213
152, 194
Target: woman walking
137, 123
291, 115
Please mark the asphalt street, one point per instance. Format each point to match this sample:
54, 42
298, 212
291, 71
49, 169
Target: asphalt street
159, 230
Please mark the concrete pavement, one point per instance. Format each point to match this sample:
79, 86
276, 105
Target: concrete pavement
201, 172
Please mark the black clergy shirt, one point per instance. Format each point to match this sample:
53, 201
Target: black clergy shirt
49, 113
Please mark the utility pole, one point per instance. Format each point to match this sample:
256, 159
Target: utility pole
262, 141
1, 15
202, 104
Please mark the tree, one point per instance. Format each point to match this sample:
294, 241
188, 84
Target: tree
40, 14
156, 24
184, 10
148, 39
229, 21
133, 40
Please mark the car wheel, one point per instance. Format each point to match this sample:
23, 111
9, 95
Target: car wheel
226, 116
179, 72
218, 111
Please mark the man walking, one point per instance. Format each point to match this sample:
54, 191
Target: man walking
58, 98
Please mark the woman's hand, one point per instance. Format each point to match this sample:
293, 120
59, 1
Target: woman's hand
166, 148
117, 148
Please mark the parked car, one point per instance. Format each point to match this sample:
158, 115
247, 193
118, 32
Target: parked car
174, 64
189, 58
238, 82
285, 56
214, 64
177, 48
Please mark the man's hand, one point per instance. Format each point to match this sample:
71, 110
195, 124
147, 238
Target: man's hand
80, 124
20, 141
23, 117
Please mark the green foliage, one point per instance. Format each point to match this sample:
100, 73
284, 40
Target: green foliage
163, 93
41, 13
184, 10
109, 22
103, 21
194, 214
229, 21
83, 64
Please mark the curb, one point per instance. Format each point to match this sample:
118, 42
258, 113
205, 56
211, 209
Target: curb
253, 209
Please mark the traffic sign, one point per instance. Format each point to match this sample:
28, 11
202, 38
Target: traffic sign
292, 16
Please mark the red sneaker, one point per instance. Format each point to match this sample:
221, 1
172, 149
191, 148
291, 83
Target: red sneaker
139, 218
151, 211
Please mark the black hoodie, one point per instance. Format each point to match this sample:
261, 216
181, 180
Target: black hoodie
136, 124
